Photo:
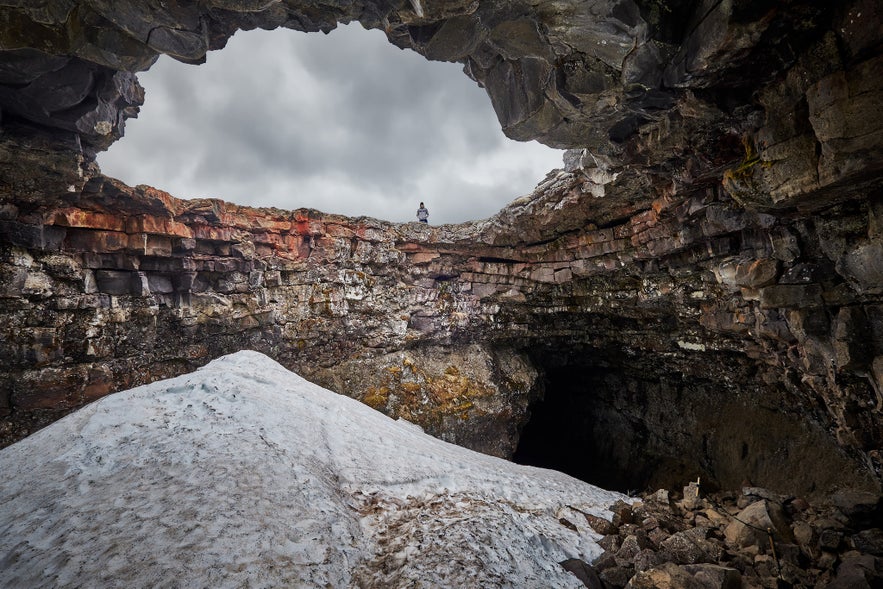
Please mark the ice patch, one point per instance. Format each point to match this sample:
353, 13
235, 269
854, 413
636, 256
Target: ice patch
245, 474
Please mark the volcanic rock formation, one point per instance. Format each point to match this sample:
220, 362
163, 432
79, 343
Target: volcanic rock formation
703, 281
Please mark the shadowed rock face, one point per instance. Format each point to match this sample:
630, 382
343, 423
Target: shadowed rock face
702, 282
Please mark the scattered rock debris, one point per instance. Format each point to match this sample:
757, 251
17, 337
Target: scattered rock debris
753, 539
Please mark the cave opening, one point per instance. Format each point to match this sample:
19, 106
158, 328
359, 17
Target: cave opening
596, 425
639, 421
563, 434
345, 123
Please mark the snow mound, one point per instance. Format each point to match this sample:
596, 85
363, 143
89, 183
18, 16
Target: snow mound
243, 474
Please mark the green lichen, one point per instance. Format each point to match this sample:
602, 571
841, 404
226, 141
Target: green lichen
740, 182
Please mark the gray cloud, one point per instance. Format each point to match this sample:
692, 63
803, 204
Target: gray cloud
345, 123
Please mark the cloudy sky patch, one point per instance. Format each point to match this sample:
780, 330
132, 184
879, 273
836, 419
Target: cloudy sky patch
345, 123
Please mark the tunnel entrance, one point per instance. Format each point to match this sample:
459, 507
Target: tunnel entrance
635, 422
592, 425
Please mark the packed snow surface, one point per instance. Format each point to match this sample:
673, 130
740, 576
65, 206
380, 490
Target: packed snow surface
243, 474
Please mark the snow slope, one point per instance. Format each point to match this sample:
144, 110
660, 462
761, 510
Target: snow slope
243, 474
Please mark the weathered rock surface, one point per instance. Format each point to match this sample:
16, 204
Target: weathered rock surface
692, 546
698, 293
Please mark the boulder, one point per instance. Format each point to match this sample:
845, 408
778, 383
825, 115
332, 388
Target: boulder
868, 541
830, 540
711, 576
691, 499
861, 508
755, 523
666, 576
858, 572
582, 571
690, 547
617, 576
599, 524
630, 548
647, 559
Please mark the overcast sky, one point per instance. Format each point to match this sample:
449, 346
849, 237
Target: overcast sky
345, 123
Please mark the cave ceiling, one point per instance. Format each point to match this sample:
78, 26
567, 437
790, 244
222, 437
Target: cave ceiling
673, 89
569, 74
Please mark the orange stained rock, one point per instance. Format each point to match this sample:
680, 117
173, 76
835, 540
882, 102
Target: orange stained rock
271, 223
169, 202
424, 257
305, 226
340, 230
91, 219
271, 238
214, 233
158, 226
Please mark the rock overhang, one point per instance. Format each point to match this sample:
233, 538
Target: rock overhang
569, 74
629, 82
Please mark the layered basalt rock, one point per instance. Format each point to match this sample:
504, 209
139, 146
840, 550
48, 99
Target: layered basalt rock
122, 285
677, 359
702, 282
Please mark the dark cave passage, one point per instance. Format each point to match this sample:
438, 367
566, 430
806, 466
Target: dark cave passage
632, 423
564, 434
561, 435
580, 430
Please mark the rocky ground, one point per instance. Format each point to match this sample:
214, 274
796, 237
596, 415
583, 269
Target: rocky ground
751, 539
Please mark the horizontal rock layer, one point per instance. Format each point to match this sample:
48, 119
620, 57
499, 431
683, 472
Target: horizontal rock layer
121, 286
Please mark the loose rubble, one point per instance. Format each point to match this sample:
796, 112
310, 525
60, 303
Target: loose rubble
753, 539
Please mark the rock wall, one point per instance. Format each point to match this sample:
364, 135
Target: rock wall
438, 326
118, 286
706, 268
